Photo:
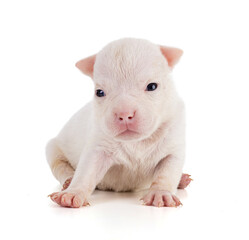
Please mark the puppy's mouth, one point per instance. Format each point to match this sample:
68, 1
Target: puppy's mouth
127, 135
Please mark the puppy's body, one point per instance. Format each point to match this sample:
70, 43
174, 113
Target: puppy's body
131, 137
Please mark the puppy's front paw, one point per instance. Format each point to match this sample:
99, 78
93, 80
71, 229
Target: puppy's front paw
69, 199
159, 198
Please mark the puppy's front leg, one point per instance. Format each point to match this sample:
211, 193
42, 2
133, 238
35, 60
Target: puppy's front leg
165, 181
89, 172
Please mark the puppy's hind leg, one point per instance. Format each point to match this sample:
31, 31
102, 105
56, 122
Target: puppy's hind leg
185, 181
59, 164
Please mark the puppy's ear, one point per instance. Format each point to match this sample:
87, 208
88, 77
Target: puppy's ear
171, 54
86, 65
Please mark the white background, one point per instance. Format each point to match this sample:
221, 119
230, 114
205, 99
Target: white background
40, 41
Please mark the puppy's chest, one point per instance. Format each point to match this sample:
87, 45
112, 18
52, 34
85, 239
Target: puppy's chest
140, 156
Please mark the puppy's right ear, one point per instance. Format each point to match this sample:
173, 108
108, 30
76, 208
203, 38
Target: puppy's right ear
86, 65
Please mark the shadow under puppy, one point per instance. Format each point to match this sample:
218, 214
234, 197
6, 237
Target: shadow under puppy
131, 135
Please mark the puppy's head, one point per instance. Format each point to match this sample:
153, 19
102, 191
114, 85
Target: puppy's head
133, 90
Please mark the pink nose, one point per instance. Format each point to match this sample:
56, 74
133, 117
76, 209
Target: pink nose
125, 116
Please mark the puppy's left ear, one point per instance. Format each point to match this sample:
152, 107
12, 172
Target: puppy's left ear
86, 65
171, 54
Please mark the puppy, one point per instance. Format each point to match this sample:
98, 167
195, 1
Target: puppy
131, 135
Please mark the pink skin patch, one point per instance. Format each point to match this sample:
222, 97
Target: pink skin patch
159, 198
66, 184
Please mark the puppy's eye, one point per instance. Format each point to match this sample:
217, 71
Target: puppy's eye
100, 93
151, 87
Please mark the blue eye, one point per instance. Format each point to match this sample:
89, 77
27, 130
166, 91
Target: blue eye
100, 93
151, 87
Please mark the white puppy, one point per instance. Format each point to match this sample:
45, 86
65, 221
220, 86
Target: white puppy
131, 135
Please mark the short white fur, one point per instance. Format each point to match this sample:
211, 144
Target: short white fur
91, 149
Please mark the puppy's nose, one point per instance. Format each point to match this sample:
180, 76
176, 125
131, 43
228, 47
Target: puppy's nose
125, 116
